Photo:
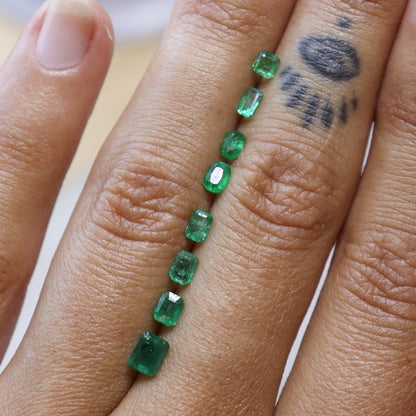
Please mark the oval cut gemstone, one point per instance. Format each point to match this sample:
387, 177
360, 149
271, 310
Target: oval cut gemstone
232, 145
217, 177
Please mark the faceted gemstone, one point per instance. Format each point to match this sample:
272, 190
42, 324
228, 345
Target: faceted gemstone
199, 225
183, 267
266, 64
149, 354
217, 177
250, 102
233, 144
168, 309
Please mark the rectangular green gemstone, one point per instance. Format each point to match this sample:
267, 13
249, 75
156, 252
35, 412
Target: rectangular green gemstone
250, 102
183, 267
232, 145
168, 309
149, 354
266, 64
199, 225
217, 177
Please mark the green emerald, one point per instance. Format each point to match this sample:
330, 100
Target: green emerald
250, 102
183, 267
233, 144
168, 309
217, 177
199, 225
149, 354
266, 64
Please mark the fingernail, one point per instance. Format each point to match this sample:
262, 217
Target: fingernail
65, 34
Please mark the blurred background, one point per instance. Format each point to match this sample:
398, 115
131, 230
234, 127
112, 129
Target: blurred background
138, 25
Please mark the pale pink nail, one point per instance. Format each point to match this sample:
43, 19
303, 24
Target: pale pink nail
66, 33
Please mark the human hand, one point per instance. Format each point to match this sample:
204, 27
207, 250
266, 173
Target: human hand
274, 225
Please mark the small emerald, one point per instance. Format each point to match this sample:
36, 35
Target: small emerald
266, 64
183, 267
149, 354
199, 225
168, 309
232, 145
250, 102
217, 177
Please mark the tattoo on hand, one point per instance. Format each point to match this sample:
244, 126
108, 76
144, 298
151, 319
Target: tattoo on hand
332, 58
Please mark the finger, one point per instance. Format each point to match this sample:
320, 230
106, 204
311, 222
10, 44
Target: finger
44, 105
115, 257
358, 356
278, 218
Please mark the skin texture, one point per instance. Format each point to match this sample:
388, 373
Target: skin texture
274, 225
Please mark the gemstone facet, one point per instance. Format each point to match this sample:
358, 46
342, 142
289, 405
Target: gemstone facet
149, 354
217, 177
183, 267
250, 102
266, 64
233, 144
168, 309
199, 225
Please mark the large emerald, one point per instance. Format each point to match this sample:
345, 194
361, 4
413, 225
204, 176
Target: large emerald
149, 354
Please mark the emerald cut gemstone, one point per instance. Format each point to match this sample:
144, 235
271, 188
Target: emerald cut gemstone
217, 177
168, 309
266, 64
233, 144
199, 225
250, 102
183, 267
149, 354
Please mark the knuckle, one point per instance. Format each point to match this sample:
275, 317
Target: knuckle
241, 17
286, 191
381, 273
142, 201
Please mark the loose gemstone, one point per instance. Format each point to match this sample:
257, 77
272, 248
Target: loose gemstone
266, 64
183, 267
168, 309
199, 225
233, 144
149, 354
250, 102
217, 177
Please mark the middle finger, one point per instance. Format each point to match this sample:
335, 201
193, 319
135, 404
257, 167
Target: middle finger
114, 259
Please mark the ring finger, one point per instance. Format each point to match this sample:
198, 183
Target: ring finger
360, 351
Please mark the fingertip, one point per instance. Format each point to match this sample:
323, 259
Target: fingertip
61, 38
